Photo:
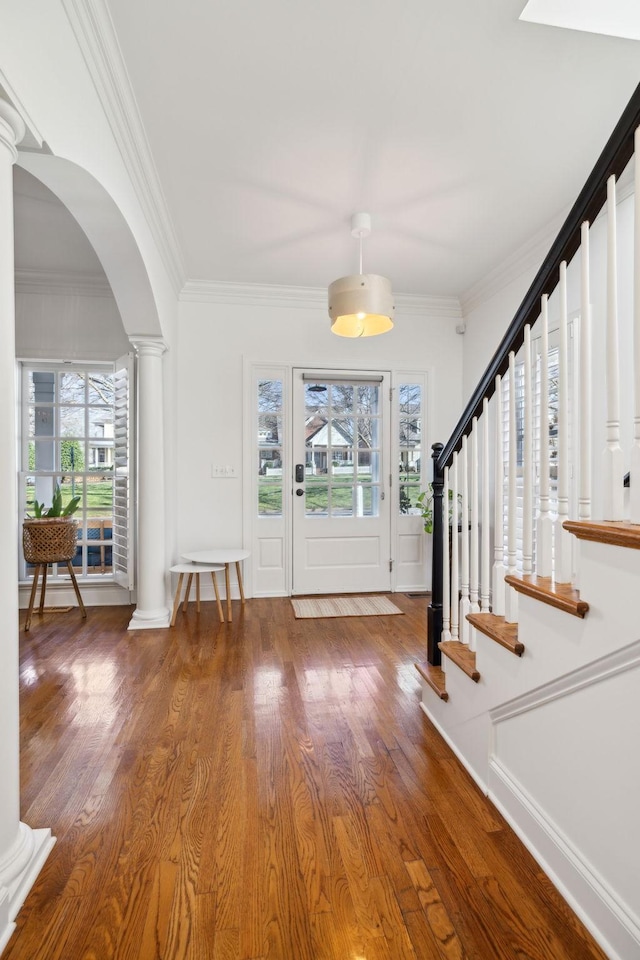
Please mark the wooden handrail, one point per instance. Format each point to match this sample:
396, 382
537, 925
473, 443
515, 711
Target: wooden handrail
612, 161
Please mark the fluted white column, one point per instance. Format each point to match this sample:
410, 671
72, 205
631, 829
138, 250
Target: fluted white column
613, 461
499, 569
544, 528
22, 850
151, 610
635, 450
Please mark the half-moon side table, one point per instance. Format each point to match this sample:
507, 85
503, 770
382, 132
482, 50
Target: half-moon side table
190, 569
224, 555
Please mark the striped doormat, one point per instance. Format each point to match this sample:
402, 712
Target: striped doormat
344, 607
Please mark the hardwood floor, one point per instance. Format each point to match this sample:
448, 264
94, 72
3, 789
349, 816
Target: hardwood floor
262, 789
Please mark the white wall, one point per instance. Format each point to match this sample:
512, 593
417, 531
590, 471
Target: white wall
486, 324
68, 326
215, 340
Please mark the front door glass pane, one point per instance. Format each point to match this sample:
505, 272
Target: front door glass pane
342, 449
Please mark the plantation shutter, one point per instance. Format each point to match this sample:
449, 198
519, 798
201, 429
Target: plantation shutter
552, 439
123, 553
519, 400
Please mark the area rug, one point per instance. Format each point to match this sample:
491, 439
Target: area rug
344, 607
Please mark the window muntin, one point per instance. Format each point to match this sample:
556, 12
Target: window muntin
410, 405
270, 442
343, 431
68, 417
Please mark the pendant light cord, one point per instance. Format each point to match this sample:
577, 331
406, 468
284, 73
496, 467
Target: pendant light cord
360, 238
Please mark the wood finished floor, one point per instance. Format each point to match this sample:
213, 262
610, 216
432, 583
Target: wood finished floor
268, 788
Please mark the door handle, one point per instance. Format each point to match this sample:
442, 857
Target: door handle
299, 492
299, 475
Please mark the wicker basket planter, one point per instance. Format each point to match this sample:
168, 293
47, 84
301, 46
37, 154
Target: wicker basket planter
49, 540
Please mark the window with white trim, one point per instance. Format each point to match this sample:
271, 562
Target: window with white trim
410, 445
69, 438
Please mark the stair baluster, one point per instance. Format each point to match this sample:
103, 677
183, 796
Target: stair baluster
635, 450
446, 591
613, 467
511, 597
485, 566
499, 569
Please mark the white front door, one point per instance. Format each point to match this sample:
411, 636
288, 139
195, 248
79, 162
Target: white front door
341, 502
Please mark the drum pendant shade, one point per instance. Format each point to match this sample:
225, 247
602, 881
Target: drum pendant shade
361, 305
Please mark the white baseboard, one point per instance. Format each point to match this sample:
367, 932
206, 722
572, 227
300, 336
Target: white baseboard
18, 873
612, 924
445, 736
93, 595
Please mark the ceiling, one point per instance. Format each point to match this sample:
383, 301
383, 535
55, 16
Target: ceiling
462, 130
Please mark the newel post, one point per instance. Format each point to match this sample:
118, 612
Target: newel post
434, 613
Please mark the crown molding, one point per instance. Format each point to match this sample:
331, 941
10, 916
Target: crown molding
274, 295
57, 283
94, 31
531, 254
253, 294
527, 257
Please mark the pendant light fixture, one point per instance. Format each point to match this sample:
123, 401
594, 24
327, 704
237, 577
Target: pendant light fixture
361, 305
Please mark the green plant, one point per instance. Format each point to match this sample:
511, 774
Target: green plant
71, 456
56, 509
425, 502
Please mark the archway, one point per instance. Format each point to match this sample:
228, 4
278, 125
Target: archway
117, 249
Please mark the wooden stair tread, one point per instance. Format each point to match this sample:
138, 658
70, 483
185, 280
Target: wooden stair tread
435, 677
560, 595
619, 534
497, 628
462, 656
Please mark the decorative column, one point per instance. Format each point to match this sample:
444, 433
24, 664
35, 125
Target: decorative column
151, 611
22, 850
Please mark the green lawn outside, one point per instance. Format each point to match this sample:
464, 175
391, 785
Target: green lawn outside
316, 490
99, 495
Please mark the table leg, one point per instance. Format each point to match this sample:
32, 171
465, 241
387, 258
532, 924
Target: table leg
197, 592
187, 593
176, 602
228, 586
239, 572
34, 587
215, 587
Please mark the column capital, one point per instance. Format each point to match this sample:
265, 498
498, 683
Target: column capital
146, 346
12, 128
